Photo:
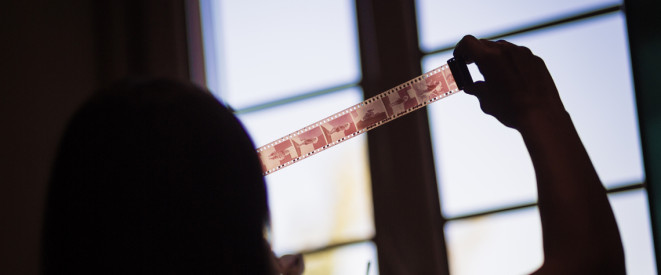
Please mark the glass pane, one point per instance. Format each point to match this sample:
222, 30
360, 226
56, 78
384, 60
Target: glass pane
323, 199
482, 164
442, 22
633, 219
510, 242
266, 50
505, 243
349, 259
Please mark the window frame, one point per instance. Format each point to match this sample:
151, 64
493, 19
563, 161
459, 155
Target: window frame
390, 54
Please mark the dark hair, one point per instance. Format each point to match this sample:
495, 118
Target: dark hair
156, 177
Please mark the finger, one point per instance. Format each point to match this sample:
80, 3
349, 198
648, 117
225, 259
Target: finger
292, 264
504, 43
511, 48
478, 89
470, 49
493, 44
524, 50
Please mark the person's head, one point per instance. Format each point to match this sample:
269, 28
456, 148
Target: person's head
156, 177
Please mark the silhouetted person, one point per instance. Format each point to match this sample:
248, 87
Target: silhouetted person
580, 234
156, 177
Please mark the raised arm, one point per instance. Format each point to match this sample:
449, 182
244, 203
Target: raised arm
580, 235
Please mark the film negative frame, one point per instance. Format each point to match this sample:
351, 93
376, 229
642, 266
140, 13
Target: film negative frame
358, 119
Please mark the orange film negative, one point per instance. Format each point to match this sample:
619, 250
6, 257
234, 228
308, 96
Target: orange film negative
357, 119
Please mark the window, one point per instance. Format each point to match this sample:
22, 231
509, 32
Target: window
281, 65
598, 94
264, 61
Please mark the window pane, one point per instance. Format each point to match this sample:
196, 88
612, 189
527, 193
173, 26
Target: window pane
442, 22
323, 199
266, 50
633, 219
505, 243
350, 259
510, 242
593, 76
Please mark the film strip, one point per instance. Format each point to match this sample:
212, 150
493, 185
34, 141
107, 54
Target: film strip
362, 117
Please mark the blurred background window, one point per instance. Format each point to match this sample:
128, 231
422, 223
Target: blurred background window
485, 177
281, 65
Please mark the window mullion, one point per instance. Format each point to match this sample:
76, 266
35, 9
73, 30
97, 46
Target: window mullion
407, 217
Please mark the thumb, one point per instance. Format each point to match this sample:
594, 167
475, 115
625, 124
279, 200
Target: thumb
478, 89
487, 99
292, 264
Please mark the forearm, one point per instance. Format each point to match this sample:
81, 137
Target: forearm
577, 220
